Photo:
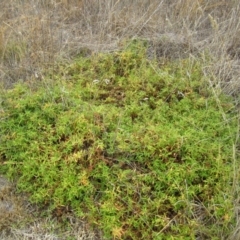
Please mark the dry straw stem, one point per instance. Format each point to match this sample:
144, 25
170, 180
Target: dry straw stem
45, 32
20, 220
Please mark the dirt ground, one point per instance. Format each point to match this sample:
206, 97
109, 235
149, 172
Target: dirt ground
21, 220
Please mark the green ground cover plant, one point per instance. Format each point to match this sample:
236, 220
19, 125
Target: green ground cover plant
140, 149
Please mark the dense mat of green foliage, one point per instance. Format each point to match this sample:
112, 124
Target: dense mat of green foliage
133, 146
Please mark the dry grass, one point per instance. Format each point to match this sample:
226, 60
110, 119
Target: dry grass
21, 220
36, 35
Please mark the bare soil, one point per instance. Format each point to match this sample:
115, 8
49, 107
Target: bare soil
19, 219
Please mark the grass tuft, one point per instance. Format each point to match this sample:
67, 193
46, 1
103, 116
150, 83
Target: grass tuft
47, 47
140, 151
